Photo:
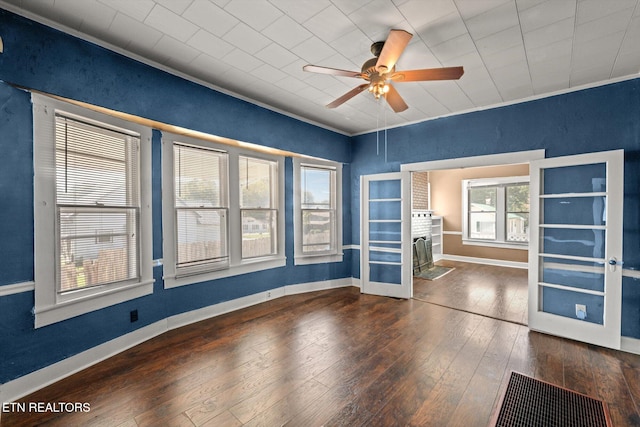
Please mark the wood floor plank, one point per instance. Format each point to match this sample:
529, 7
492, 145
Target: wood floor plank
486, 380
339, 357
454, 381
292, 404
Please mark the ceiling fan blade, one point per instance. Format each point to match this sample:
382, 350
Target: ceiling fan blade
395, 100
393, 48
447, 73
347, 96
332, 71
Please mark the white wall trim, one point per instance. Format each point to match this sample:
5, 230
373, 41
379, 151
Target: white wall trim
630, 345
488, 261
41, 378
17, 288
475, 161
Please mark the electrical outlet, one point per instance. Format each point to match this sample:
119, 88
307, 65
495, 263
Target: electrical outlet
268, 294
581, 311
133, 315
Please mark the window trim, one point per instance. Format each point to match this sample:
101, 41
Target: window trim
336, 255
51, 306
237, 265
501, 212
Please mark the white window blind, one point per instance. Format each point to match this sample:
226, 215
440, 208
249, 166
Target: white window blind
201, 208
258, 195
97, 204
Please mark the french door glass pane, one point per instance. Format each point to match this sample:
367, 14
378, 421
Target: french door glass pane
563, 302
580, 242
385, 273
566, 275
385, 210
390, 189
575, 210
575, 179
385, 231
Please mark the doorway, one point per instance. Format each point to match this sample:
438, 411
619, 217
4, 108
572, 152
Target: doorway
486, 277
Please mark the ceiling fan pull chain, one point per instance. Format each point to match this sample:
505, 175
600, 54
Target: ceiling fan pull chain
378, 131
385, 134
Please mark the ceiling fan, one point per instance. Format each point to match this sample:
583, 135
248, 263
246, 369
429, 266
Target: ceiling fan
381, 71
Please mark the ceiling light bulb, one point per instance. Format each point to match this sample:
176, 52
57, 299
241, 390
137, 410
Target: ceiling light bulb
385, 89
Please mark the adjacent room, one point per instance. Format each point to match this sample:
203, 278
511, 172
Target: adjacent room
474, 223
327, 212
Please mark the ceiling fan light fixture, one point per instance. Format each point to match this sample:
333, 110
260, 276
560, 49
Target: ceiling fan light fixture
378, 89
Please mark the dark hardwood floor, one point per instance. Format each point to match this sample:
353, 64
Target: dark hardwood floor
497, 292
331, 358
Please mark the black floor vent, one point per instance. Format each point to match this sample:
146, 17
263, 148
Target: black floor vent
528, 402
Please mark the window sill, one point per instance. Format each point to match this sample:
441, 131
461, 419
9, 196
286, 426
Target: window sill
63, 310
490, 244
318, 259
251, 266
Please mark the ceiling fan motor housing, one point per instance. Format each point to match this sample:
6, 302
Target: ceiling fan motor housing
376, 48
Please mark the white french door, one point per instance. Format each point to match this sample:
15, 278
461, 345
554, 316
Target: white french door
385, 234
575, 253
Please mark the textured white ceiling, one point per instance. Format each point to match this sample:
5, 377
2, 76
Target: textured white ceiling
510, 49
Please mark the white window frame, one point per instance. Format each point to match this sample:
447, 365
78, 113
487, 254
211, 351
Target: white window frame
336, 255
50, 305
501, 239
236, 265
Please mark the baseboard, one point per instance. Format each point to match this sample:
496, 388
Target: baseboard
198, 315
630, 345
488, 261
27, 384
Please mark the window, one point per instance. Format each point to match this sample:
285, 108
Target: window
317, 223
201, 212
496, 211
258, 207
97, 204
93, 233
221, 210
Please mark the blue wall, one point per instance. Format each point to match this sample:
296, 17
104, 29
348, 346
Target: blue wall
40, 58
597, 119
44, 59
